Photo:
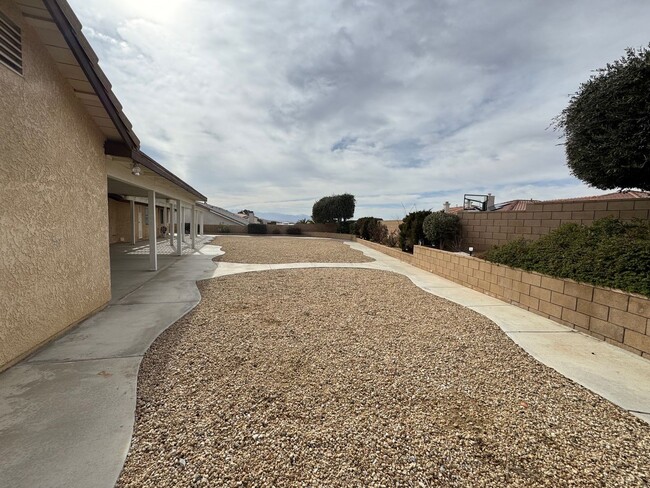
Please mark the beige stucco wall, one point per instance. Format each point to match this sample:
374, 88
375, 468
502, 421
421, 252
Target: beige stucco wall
119, 221
54, 256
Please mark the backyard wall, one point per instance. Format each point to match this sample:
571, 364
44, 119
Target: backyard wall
392, 225
54, 259
483, 230
316, 227
219, 229
622, 319
273, 228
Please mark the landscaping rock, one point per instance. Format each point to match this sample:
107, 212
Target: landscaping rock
350, 377
273, 250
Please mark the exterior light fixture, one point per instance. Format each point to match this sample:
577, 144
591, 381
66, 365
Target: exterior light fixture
471, 250
136, 169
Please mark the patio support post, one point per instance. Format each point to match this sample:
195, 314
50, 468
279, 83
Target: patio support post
182, 231
193, 226
132, 222
179, 242
166, 216
153, 229
171, 223
201, 221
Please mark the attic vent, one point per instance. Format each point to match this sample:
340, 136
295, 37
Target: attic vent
10, 45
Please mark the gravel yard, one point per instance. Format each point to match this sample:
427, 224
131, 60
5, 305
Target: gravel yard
274, 250
351, 377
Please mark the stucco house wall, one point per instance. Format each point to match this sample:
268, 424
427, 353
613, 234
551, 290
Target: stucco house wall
119, 221
55, 257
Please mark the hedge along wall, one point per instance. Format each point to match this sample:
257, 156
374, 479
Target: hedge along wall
483, 230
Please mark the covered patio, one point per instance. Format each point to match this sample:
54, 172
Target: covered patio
130, 265
148, 211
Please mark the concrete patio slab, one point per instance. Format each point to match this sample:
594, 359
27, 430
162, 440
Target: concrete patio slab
514, 319
118, 331
172, 290
64, 424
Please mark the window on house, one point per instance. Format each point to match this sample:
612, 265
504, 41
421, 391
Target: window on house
11, 54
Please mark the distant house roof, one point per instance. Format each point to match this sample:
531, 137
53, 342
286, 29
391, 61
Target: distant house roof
225, 214
521, 205
455, 210
512, 205
618, 195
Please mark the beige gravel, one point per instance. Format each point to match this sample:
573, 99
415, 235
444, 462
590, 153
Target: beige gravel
274, 250
349, 377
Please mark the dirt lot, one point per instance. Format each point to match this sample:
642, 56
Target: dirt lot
273, 250
349, 377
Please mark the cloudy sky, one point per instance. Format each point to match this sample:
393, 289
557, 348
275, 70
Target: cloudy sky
270, 105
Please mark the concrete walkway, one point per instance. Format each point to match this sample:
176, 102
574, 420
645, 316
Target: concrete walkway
67, 412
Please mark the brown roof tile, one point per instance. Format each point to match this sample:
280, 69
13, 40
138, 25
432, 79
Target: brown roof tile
618, 195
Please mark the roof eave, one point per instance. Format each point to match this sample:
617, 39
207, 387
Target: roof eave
70, 29
139, 157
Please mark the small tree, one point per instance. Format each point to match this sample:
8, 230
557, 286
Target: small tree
607, 125
371, 229
441, 229
410, 230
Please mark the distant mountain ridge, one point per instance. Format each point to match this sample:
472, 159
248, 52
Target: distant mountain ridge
281, 217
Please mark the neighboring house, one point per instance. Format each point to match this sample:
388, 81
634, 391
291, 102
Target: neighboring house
521, 205
213, 215
67, 148
250, 217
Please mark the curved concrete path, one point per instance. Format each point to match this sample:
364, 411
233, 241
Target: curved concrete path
67, 413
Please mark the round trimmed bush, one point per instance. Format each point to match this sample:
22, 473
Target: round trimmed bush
442, 229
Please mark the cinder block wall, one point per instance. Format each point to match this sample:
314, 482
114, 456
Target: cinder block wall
218, 229
483, 230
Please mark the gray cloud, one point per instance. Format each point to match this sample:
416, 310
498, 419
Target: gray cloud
405, 103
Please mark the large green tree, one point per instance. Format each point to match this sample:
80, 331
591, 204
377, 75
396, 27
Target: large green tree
607, 125
335, 208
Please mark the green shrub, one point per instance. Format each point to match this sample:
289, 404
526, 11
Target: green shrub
410, 230
294, 231
276, 231
391, 239
370, 229
345, 227
223, 229
442, 229
608, 253
257, 229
